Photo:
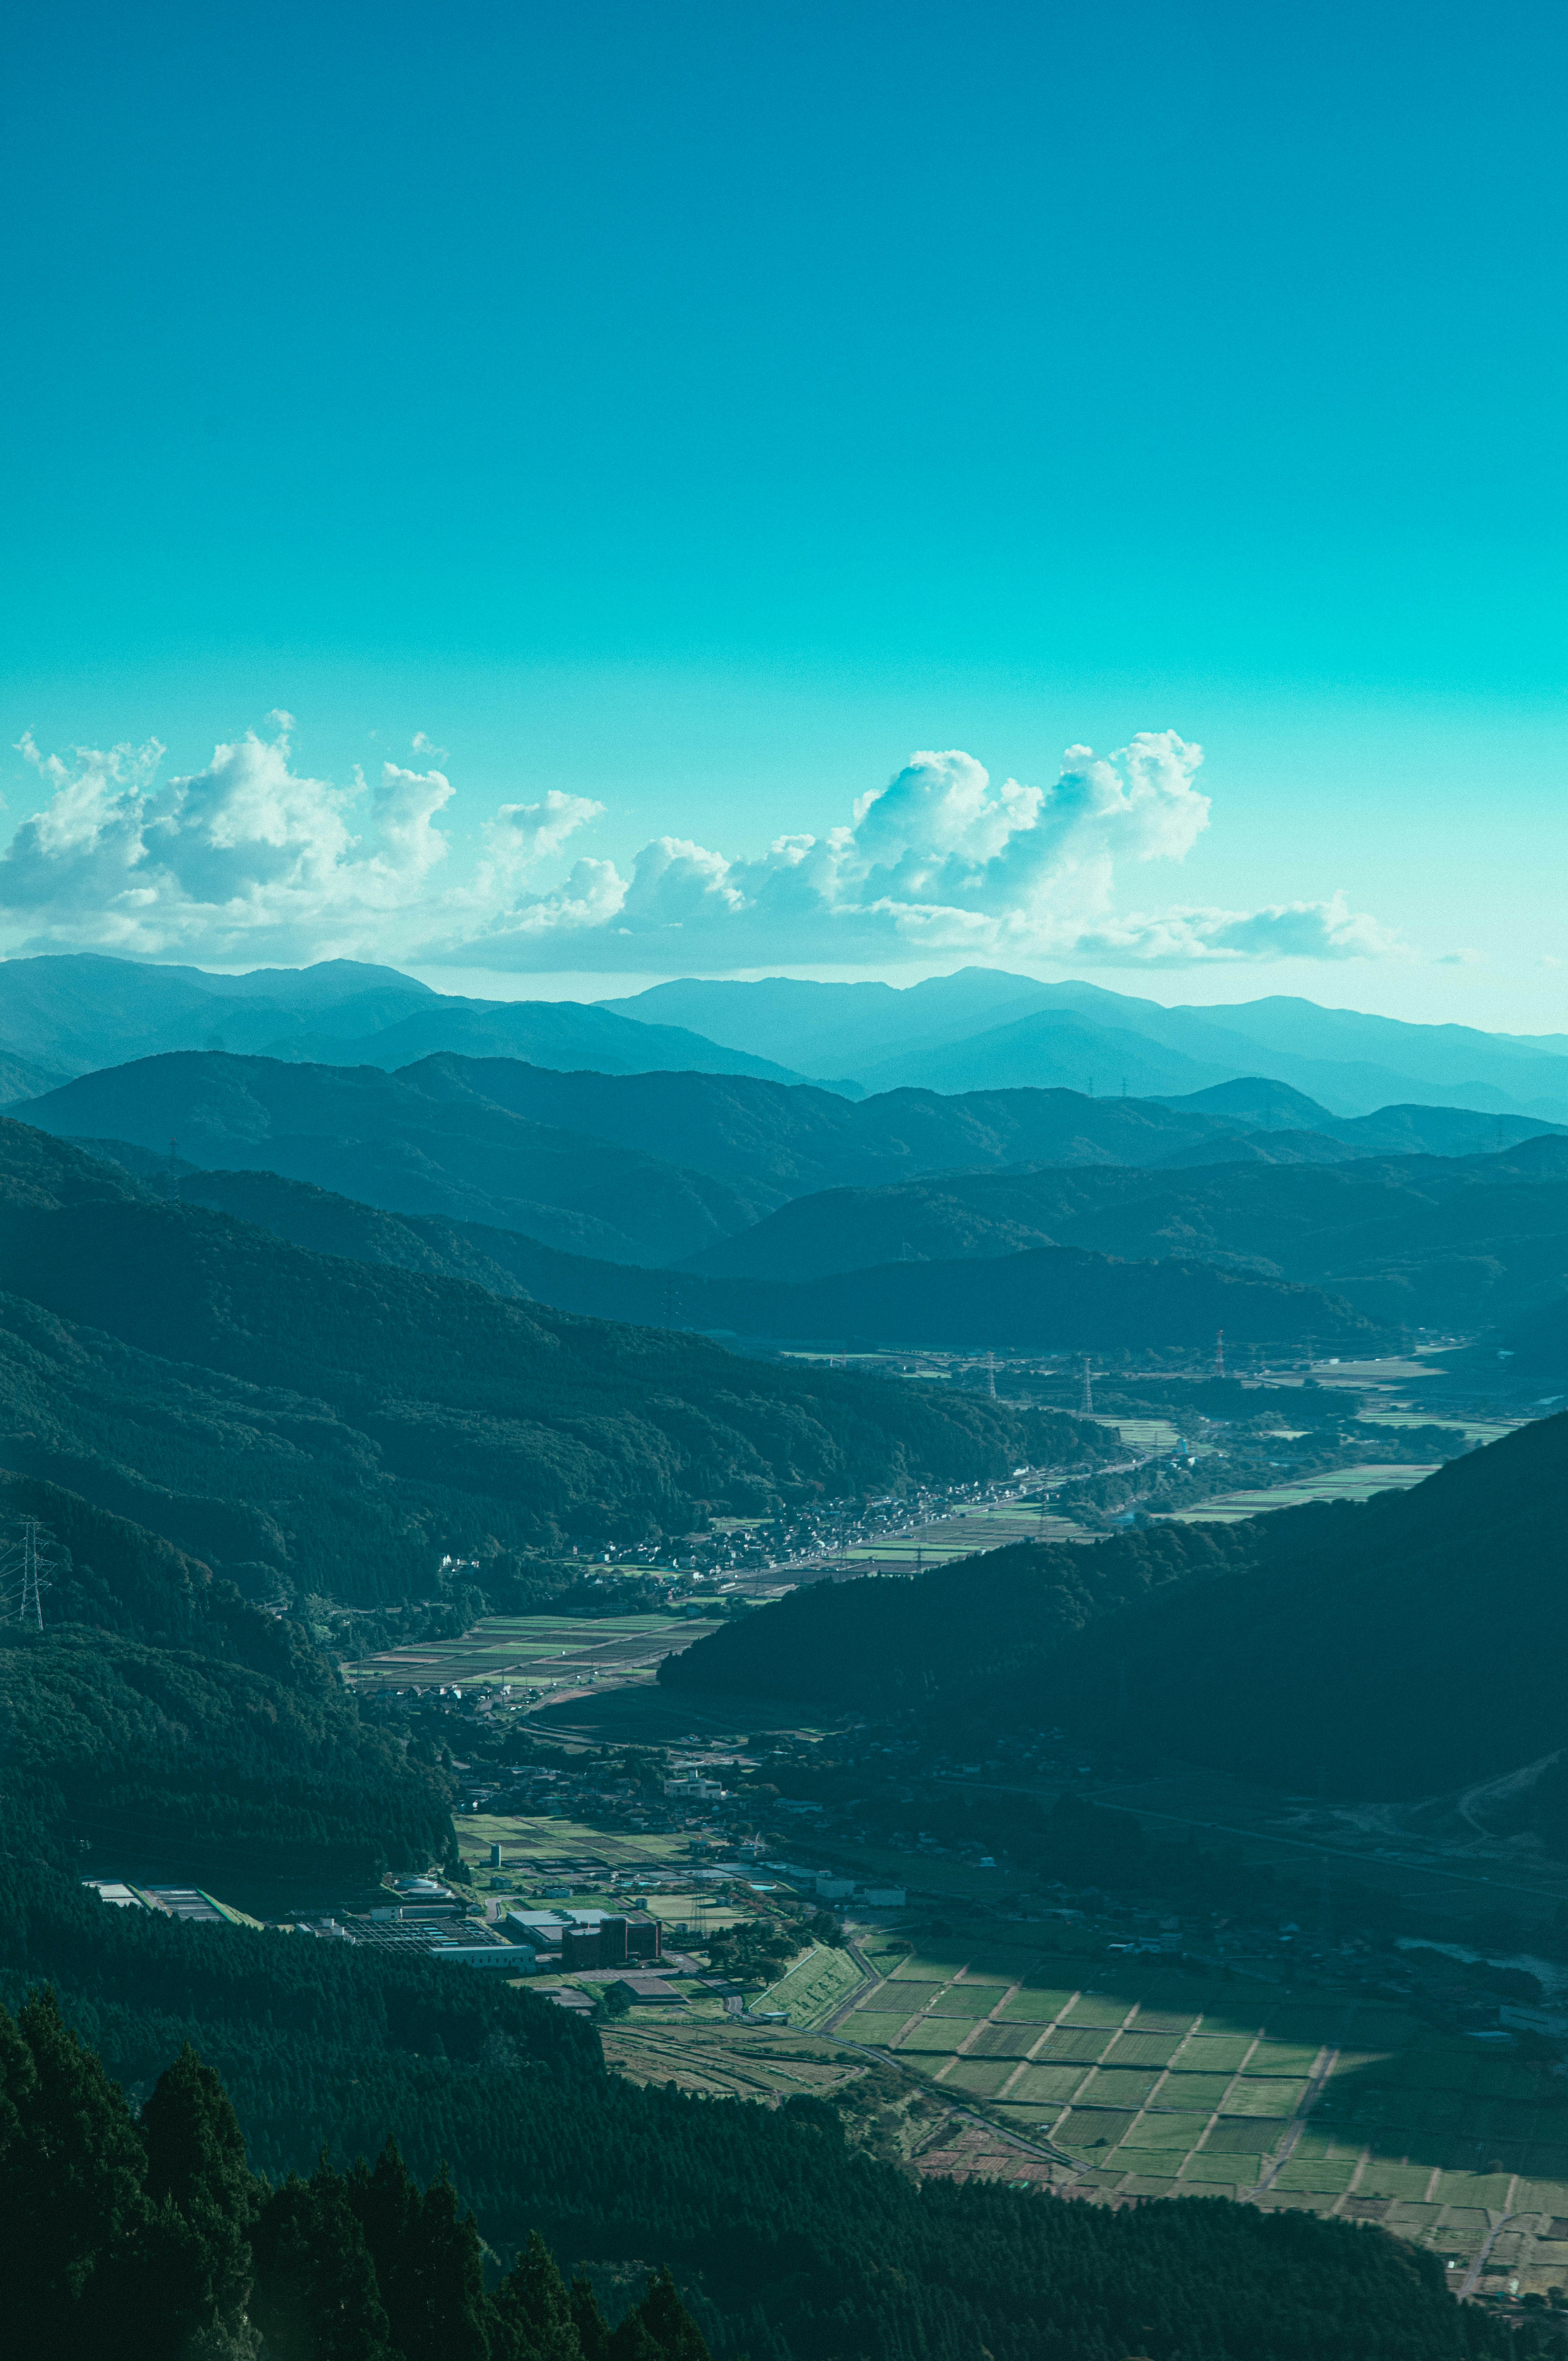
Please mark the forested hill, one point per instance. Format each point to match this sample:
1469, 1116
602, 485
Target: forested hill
887, 1643
514, 1132
1442, 1241
433, 1141
344, 1425
1049, 1298
1349, 1644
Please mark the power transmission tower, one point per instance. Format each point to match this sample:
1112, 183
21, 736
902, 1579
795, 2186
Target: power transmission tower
1219, 1352
991, 1374
23, 1574
1086, 1405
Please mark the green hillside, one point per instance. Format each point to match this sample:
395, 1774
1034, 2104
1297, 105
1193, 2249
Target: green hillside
1346, 1644
1438, 1241
341, 1426
1045, 1298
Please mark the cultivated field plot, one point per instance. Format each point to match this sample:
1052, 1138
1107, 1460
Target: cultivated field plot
964, 1536
720, 2059
1338, 1483
542, 1651
1142, 1433
1474, 1430
815, 1988
550, 1848
1138, 2079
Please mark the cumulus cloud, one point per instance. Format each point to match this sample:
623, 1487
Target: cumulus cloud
254, 858
248, 858
939, 860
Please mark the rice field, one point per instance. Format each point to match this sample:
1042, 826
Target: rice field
1130, 2079
1337, 1484
541, 1651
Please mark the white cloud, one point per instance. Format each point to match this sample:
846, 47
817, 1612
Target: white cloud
938, 861
250, 859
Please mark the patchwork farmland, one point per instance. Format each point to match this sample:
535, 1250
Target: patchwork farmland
1128, 2079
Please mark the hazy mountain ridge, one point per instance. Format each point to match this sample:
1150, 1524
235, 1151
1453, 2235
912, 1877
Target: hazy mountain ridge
982, 1029
1057, 1297
431, 1140
73, 1012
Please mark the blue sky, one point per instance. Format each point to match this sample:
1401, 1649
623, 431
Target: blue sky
694, 412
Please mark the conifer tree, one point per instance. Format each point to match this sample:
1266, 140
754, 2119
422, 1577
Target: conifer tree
593, 2329
72, 2199
533, 2311
668, 2322
196, 2170
315, 2296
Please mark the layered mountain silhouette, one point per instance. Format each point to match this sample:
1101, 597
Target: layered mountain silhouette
1445, 1242
745, 1234
278, 1412
981, 1029
70, 1013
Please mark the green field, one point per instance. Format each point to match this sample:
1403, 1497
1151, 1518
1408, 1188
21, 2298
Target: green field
539, 1651
815, 1988
1338, 1484
1143, 2081
1474, 1430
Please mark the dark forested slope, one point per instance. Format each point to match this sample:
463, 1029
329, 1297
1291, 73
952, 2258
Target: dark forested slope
409, 1143
766, 1140
1047, 1297
347, 1424
145, 2234
1423, 1239
887, 1641
1345, 1643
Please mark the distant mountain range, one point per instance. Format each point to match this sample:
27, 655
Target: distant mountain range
982, 1030
74, 1012
1418, 1241
449, 1136
979, 1030
1466, 1244
655, 1168
1099, 1222
286, 1415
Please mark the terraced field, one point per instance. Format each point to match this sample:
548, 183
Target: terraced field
1130, 2079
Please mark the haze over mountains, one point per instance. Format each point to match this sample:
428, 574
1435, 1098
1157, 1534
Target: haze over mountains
71, 1013
747, 1197
282, 1414
982, 1029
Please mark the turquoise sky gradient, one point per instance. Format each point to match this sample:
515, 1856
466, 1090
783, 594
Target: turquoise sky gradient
695, 409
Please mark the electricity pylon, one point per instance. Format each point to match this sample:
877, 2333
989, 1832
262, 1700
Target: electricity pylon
24, 1575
